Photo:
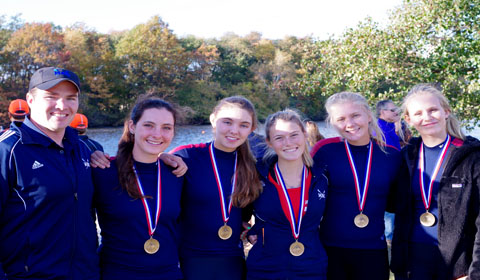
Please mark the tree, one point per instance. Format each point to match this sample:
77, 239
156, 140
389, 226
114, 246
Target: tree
426, 41
153, 58
29, 48
92, 57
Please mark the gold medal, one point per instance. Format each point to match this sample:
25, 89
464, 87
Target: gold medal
427, 219
151, 246
361, 220
297, 248
225, 232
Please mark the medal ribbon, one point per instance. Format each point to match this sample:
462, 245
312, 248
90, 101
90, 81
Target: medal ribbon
225, 213
421, 164
294, 223
151, 229
361, 196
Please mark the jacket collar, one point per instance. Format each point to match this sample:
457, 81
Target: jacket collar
459, 150
30, 134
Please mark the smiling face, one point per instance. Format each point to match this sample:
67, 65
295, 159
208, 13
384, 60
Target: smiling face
427, 116
153, 134
53, 110
288, 140
231, 127
351, 121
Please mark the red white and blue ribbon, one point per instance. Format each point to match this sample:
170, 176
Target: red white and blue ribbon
225, 212
361, 195
421, 163
151, 227
283, 195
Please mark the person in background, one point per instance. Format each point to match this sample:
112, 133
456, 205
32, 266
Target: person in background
138, 199
17, 111
80, 123
313, 133
286, 237
362, 175
220, 181
437, 225
47, 230
388, 115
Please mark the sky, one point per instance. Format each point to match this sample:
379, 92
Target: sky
209, 18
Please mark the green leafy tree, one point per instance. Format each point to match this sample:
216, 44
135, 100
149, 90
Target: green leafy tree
153, 60
426, 41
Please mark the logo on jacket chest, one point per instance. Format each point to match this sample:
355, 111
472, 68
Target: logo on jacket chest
86, 163
321, 195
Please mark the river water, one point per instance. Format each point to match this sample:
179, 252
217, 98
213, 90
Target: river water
190, 134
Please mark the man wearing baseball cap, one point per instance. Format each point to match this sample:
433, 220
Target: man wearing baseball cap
47, 230
80, 123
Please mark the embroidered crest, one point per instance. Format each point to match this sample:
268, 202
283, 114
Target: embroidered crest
321, 195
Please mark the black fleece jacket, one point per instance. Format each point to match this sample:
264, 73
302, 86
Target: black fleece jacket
458, 205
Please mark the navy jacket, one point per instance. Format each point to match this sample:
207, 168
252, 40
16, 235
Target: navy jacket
47, 229
458, 207
338, 228
201, 215
124, 226
270, 257
90, 143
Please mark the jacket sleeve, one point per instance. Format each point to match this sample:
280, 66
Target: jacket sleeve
474, 270
394, 187
399, 258
7, 176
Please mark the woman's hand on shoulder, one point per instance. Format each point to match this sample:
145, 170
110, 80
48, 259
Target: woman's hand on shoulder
100, 160
180, 167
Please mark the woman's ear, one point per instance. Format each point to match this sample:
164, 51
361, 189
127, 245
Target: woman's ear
212, 120
131, 127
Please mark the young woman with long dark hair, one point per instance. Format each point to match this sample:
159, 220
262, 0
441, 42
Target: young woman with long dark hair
138, 199
220, 181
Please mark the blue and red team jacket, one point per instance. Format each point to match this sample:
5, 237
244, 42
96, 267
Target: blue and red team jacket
124, 227
338, 228
47, 229
270, 257
201, 215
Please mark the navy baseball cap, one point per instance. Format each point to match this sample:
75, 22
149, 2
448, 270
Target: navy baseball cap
48, 77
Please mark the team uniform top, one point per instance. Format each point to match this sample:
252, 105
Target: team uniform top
90, 143
201, 215
338, 228
124, 227
270, 257
47, 229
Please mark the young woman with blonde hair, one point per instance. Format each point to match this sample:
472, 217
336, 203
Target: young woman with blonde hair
437, 222
286, 237
362, 173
